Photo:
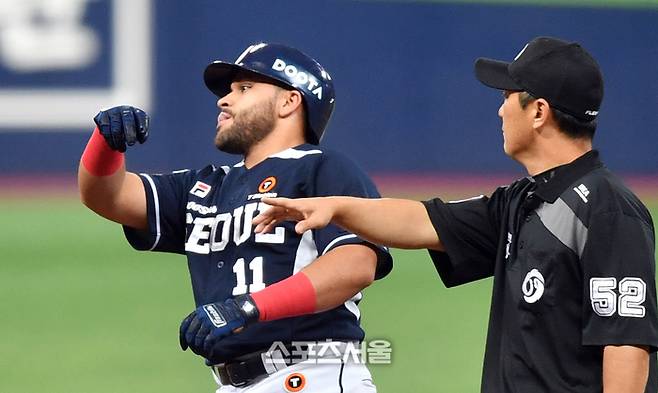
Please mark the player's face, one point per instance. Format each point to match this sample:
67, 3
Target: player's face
517, 125
247, 115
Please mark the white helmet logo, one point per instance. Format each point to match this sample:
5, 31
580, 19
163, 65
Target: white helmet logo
299, 77
520, 53
533, 286
251, 49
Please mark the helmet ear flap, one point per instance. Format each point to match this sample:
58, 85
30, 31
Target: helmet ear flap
311, 136
289, 68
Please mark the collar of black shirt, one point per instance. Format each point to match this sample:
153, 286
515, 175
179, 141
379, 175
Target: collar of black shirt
553, 182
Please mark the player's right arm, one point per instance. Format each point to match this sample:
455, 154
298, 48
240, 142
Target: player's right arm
396, 223
105, 185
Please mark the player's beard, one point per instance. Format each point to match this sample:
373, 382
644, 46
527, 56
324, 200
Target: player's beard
248, 128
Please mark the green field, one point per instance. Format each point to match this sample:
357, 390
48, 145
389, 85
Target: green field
82, 312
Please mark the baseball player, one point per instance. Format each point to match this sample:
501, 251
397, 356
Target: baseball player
571, 249
267, 304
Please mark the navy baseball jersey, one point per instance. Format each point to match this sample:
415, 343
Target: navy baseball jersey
207, 214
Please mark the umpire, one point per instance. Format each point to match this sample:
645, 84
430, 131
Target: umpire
571, 249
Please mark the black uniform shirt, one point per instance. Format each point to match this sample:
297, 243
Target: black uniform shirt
572, 255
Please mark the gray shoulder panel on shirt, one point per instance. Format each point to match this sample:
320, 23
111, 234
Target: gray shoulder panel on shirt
563, 223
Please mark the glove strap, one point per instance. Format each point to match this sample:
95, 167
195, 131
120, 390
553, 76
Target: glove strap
98, 158
291, 297
248, 308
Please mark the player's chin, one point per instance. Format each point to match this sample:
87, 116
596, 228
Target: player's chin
230, 145
220, 141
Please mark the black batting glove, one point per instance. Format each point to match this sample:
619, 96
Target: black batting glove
123, 125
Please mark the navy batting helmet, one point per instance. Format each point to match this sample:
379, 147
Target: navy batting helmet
287, 66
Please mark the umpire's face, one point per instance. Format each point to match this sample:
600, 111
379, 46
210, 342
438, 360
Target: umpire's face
517, 127
247, 115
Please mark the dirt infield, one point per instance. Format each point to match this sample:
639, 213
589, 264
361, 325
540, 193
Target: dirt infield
456, 186
38, 186
413, 186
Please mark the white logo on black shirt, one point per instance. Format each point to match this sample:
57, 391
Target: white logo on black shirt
533, 286
582, 192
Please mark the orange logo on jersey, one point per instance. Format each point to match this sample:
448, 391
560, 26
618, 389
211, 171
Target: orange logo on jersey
295, 382
267, 184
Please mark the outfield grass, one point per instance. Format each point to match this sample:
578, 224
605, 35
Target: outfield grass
82, 312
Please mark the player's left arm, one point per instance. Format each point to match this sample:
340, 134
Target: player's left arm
340, 274
328, 282
625, 369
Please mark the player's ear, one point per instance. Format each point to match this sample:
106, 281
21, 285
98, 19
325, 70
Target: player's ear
542, 111
289, 102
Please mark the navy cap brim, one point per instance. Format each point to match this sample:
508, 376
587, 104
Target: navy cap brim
219, 75
495, 73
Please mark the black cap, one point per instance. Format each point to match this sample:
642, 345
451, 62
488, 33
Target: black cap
561, 72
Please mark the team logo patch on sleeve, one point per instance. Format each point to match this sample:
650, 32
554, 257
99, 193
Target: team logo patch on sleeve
200, 189
267, 184
295, 382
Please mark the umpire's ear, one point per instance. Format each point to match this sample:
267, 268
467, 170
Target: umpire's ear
289, 102
542, 110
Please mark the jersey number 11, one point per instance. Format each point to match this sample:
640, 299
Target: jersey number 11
256, 267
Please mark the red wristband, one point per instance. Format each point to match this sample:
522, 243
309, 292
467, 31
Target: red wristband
98, 158
287, 298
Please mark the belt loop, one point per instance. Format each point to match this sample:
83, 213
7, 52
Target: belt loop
215, 375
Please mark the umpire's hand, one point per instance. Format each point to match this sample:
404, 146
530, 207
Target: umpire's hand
210, 323
123, 125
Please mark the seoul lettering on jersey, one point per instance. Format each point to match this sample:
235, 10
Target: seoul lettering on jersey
214, 233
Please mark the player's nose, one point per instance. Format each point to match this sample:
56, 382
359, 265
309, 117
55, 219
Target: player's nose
223, 102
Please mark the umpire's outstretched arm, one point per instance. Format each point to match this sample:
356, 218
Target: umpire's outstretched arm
396, 223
